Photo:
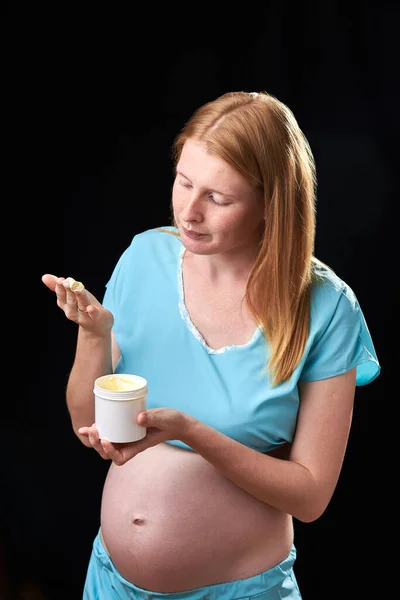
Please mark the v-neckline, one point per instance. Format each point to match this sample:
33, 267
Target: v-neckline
189, 323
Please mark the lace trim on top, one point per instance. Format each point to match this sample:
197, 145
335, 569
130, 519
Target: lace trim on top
188, 321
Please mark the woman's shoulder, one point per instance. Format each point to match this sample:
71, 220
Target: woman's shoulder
339, 337
327, 284
158, 235
157, 241
330, 293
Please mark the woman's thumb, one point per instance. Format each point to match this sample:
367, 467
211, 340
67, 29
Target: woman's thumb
144, 419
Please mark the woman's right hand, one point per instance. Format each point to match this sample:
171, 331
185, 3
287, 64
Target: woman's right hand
80, 305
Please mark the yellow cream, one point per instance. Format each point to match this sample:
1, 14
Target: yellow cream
118, 383
75, 286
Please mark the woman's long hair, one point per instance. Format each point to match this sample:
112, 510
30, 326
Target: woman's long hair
259, 137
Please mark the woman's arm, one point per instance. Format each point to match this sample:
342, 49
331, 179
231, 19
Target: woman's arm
93, 358
96, 353
303, 485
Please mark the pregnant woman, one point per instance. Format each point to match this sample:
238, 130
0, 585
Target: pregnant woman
252, 350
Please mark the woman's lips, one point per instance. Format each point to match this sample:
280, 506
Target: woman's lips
192, 234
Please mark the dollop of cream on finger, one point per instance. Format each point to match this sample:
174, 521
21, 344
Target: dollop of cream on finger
75, 286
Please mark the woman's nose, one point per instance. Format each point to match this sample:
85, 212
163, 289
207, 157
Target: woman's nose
192, 211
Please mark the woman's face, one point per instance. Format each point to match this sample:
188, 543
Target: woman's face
215, 208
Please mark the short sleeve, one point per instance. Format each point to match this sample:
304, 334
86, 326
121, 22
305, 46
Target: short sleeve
339, 338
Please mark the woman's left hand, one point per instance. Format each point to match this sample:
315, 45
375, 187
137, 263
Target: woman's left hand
162, 424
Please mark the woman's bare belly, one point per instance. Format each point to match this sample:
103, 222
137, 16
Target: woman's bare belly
171, 522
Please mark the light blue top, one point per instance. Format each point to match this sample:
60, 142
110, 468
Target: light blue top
227, 388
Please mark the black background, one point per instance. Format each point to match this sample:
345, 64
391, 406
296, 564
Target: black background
94, 98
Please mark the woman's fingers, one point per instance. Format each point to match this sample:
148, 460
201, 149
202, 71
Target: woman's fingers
76, 297
83, 302
60, 291
113, 453
118, 453
121, 453
106, 449
71, 294
50, 281
92, 435
72, 297
79, 305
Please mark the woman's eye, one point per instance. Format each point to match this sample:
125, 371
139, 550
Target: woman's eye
214, 199
210, 196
